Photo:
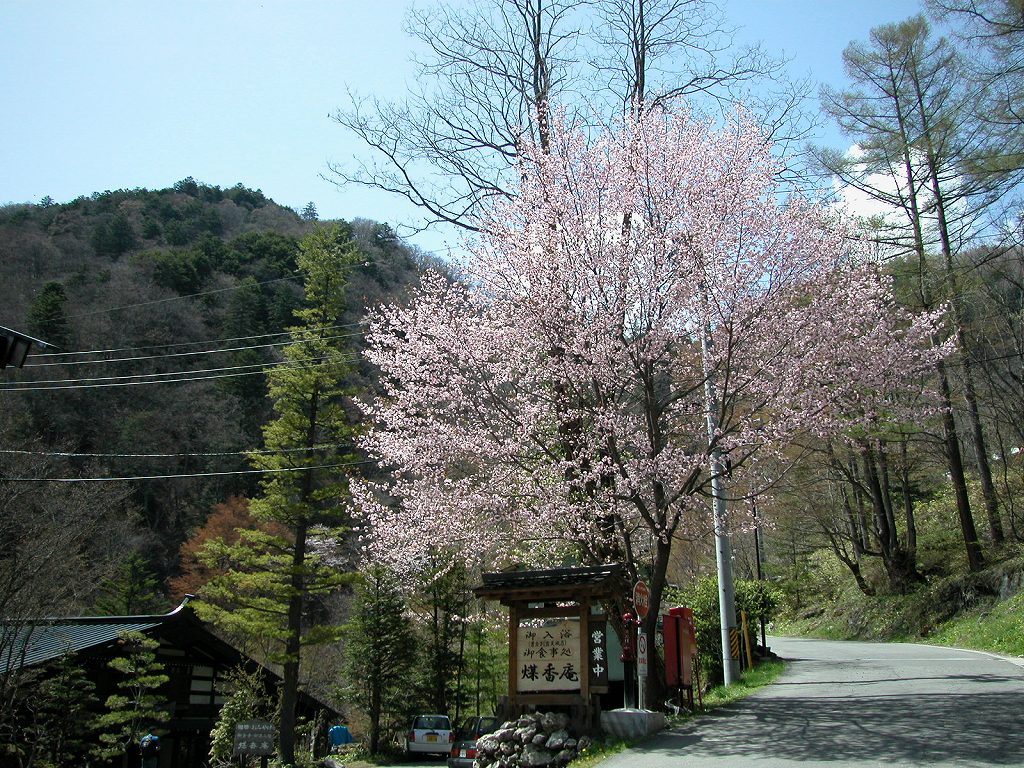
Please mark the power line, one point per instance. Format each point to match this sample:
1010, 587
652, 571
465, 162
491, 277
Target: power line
176, 298
262, 369
256, 451
104, 361
36, 356
169, 477
249, 366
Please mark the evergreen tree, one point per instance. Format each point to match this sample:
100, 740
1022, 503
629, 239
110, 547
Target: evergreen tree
132, 590
278, 577
445, 599
137, 704
47, 317
381, 652
915, 117
52, 726
114, 237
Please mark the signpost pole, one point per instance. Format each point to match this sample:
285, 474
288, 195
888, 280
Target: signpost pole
641, 669
627, 658
642, 605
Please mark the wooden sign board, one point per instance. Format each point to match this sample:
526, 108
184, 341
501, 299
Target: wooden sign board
549, 657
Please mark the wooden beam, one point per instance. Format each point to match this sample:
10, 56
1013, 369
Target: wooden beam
584, 614
513, 656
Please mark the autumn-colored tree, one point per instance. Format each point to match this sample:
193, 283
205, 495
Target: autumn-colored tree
223, 524
636, 289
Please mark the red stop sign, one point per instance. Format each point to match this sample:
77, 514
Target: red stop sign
641, 599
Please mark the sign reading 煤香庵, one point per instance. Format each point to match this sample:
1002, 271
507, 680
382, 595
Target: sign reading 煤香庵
549, 657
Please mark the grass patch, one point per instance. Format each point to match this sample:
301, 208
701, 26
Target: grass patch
962, 610
1000, 629
764, 673
358, 756
598, 751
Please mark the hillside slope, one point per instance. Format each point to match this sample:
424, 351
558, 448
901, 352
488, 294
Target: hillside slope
165, 305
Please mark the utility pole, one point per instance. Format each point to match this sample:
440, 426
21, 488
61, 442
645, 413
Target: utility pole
723, 547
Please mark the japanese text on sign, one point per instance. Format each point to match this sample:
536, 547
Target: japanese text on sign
598, 646
254, 737
549, 657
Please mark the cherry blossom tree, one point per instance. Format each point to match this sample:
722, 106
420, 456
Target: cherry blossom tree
554, 405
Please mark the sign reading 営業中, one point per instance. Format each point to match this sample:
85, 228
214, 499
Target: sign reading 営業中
549, 657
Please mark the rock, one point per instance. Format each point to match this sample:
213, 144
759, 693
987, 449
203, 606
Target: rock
503, 735
556, 741
536, 740
565, 756
535, 756
554, 721
525, 734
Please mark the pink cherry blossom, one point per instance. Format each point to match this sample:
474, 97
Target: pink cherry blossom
552, 403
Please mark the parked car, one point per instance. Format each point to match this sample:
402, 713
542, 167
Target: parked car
431, 734
463, 751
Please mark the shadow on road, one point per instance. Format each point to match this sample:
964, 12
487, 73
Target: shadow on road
897, 729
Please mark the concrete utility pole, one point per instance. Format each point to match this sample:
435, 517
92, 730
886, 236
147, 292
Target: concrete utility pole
723, 547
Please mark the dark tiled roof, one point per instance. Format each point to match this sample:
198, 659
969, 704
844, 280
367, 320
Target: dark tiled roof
35, 642
593, 579
30, 643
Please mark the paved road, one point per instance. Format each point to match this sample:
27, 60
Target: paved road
858, 704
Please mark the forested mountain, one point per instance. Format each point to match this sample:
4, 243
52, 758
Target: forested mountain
165, 305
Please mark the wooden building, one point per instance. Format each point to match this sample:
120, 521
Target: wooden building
192, 656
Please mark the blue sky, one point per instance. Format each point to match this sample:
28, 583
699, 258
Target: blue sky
107, 94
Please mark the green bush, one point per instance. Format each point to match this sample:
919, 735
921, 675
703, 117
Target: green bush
759, 599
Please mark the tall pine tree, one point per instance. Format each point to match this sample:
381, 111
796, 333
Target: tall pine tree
281, 573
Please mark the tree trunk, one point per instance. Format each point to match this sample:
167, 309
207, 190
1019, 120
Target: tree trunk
954, 460
900, 568
908, 502
293, 648
655, 679
956, 299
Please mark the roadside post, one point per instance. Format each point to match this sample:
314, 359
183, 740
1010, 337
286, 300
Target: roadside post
627, 658
681, 666
642, 605
641, 669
